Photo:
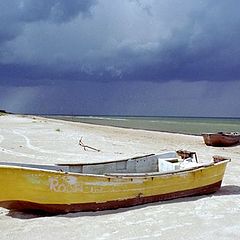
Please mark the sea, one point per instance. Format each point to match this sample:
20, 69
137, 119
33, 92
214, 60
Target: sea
184, 125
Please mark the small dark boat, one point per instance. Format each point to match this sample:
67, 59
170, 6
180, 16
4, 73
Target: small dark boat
221, 139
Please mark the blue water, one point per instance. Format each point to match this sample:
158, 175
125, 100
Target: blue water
186, 125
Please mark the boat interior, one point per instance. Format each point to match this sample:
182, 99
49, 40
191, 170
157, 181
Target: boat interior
154, 163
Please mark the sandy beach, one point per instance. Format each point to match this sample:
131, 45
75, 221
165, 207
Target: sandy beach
30, 139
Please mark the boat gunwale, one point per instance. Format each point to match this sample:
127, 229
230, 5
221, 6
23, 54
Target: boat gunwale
230, 135
106, 162
121, 175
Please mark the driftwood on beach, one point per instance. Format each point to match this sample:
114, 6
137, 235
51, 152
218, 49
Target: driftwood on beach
86, 146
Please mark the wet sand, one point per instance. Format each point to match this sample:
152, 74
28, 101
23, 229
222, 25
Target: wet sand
30, 139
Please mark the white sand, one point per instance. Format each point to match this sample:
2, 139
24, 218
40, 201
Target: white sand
38, 140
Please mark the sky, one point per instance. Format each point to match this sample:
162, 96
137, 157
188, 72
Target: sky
120, 57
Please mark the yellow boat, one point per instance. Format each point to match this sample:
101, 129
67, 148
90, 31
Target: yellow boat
107, 185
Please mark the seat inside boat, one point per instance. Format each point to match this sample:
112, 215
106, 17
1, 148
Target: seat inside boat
163, 162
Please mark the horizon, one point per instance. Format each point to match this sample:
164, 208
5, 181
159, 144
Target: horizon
130, 116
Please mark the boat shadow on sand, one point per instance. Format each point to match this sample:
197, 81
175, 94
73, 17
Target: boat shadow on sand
224, 191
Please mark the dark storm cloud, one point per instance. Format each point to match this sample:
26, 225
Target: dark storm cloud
127, 40
15, 14
206, 47
30, 75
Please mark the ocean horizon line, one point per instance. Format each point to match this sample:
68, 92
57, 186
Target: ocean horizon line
182, 125
133, 116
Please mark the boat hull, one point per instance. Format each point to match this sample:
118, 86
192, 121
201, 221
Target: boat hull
57, 192
65, 208
220, 139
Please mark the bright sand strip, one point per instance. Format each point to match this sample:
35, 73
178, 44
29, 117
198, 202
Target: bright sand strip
40, 140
